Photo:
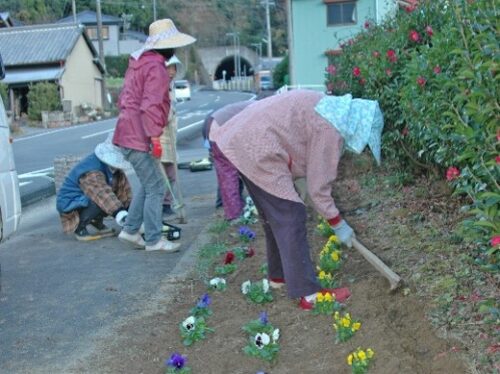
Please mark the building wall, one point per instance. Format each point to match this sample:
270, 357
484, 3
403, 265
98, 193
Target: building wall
110, 45
81, 81
312, 36
127, 46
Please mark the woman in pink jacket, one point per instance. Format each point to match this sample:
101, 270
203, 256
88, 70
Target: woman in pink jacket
298, 134
144, 105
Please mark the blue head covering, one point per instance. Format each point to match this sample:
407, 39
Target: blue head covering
359, 121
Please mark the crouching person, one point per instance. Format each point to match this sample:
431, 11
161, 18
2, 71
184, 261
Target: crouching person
95, 188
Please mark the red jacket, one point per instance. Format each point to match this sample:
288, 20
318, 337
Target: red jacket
144, 102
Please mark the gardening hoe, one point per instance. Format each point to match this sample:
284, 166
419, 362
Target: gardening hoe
394, 279
178, 203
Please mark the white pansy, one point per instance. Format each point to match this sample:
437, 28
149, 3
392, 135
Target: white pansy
189, 323
247, 214
216, 281
276, 335
265, 285
245, 287
261, 340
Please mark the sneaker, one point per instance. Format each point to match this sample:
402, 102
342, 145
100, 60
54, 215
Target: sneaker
83, 235
101, 228
164, 245
135, 240
276, 283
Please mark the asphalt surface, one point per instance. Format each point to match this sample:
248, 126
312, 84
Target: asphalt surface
58, 296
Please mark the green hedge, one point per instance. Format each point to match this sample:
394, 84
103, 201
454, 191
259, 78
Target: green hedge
280, 73
116, 66
42, 97
4, 93
434, 71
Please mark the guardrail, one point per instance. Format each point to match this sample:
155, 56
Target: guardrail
285, 88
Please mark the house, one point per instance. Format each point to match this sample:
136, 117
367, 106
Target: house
116, 40
59, 53
5, 20
321, 25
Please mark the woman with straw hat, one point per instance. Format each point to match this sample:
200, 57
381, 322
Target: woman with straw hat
144, 105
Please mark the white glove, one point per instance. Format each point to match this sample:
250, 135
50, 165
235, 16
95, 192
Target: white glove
344, 232
121, 217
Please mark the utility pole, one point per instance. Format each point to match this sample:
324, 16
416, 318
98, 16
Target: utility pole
101, 54
267, 4
289, 17
154, 10
73, 8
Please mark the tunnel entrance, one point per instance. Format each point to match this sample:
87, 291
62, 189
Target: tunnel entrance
227, 65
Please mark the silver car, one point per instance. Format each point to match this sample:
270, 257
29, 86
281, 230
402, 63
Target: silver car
10, 199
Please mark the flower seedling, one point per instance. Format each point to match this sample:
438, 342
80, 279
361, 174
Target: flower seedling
246, 235
330, 257
323, 228
228, 266
176, 364
202, 307
217, 284
249, 215
263, 338
257, 292
326, 280
263, 269
193, 329
326, 304
344, 326
359, 360
244, 252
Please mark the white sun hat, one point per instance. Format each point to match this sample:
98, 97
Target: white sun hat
111, 155
174, 60
163, 35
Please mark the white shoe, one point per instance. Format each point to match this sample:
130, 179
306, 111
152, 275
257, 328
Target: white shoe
135, 240
164, 245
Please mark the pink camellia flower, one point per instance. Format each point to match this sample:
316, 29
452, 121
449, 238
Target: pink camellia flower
429, 31
410, 8
497, 159
356, 71
414, 36
437, 69
362, 81
388, 72
421, 81
367, 25
495, 240
331, 69
391, 55
376, 54
452, 173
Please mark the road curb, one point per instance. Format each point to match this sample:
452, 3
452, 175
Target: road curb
38, 195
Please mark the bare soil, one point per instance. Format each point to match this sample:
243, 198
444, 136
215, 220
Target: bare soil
394, 325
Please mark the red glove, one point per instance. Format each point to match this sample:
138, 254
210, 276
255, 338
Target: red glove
156, 149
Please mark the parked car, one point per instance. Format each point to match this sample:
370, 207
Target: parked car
10, 198
265, 80
182, 90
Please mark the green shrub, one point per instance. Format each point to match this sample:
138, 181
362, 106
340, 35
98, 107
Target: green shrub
440, 100
280, 73
116, 66
4, 93
42, 97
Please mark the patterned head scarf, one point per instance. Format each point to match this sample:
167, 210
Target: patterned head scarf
359, 121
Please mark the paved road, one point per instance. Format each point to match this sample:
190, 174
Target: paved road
59, 297
34, 154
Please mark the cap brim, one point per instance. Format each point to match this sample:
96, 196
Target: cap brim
176, 41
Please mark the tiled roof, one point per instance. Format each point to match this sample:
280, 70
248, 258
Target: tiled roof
88, 17
40, 44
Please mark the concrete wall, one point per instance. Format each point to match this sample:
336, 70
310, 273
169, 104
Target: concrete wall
81, 81
212, 57
312, 37
111, 45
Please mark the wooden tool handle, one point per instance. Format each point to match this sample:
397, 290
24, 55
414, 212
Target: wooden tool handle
392, 277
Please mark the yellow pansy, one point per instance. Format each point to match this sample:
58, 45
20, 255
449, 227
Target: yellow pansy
322, 274
370, 353
362, 355
319, 297
356, 326
328, 297
333, 239
335, 256
336, 316
348, 316
346, 322
349, 359
335, 326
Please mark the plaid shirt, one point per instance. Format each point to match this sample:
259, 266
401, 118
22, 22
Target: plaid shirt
108, 198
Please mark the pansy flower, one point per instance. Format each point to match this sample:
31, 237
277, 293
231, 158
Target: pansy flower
189, 323
261, 340
177, 361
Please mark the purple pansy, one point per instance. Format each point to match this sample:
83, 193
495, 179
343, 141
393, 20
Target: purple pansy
263, 318
176, 360
204, 302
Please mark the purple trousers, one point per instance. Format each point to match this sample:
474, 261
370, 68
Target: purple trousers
229, 184
288, 254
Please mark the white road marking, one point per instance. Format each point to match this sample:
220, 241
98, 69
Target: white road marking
189, 126
97, 133
37, 173
203, 105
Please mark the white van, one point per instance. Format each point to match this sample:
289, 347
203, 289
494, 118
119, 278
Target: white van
10, 199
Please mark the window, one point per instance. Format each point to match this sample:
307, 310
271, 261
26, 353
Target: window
92, 32
340, 12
